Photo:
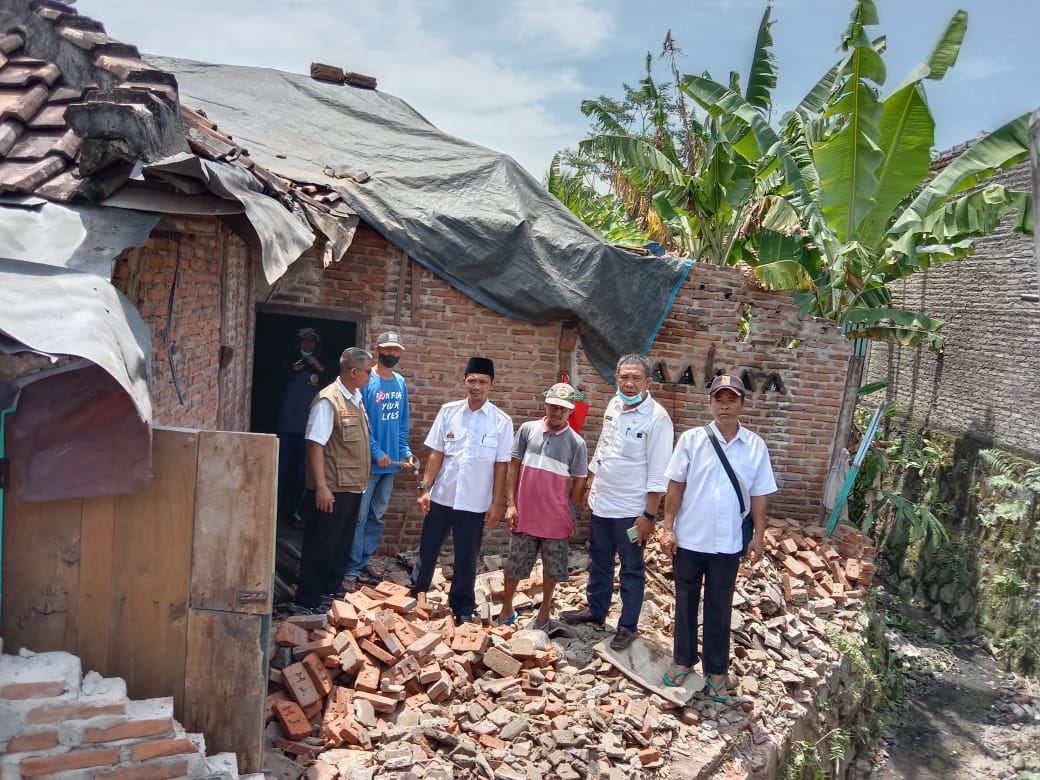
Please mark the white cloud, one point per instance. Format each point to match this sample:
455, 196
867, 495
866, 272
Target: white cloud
982, 68
566, 28
441, 56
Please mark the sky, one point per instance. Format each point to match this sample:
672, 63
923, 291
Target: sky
511, 74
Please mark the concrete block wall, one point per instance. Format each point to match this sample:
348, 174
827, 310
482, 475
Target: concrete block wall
796, 391
984, 384
57, 723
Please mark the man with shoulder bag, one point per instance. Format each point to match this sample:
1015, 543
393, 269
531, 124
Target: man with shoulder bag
714, 513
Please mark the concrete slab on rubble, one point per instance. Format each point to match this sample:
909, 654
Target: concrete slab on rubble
645, 662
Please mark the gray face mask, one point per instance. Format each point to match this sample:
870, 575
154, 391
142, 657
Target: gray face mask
389, 360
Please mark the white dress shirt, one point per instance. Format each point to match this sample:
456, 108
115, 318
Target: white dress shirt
708, 519
631, 456
322, 416
472, 443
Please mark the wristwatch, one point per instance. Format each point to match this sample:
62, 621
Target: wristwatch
423, 486
650, 517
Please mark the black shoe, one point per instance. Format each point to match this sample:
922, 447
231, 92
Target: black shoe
460, 619
578, 616
622, 639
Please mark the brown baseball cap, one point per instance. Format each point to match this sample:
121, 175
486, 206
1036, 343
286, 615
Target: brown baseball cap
727, 382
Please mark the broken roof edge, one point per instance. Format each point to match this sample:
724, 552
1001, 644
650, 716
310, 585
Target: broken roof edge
57, 311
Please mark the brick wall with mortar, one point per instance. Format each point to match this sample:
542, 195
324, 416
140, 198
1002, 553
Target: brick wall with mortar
984, 384
212, 306
441, 328
57, 722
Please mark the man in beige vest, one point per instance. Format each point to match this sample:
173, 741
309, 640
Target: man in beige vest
338, 468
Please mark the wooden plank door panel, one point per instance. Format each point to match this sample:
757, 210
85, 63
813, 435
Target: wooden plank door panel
233, 551
151, 572
225, 683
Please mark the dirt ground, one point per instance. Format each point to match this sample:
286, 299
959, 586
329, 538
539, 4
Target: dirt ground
962, 716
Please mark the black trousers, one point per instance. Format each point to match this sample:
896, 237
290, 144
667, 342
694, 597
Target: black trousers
467, 533
718, 573
327, 540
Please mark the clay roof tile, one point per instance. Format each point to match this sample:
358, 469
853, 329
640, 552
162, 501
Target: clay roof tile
22, 104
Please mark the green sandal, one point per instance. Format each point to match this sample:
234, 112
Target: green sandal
715, 694
675, 677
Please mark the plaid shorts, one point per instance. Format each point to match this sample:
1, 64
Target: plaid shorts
523, 552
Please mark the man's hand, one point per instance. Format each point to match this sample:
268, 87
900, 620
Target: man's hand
512, 516
424, 502
755, 549
668, 543
494, 514
645, 528
384, 461
314, 363
323, 498
413, 463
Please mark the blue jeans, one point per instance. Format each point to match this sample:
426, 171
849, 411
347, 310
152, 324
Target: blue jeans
369, 531
608, 540
467, 533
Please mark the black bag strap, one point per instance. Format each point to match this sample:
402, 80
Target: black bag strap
729, 469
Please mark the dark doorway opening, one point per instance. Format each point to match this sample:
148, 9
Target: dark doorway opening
276, 350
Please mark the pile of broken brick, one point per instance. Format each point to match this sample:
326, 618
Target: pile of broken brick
386, 685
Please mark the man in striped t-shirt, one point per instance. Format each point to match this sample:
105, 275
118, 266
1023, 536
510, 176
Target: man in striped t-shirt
545, 482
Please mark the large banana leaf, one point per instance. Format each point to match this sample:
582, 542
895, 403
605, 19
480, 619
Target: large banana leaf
719, 101
762, 76
1000, 149
847, 161
640, 158
600, 113
944, 54
817, 97
902, 317
783, 275
975, 214
906, 138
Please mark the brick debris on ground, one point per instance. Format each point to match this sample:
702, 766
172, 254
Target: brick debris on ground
386, 685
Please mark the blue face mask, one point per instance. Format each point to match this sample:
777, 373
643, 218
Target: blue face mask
305, 355
630, 400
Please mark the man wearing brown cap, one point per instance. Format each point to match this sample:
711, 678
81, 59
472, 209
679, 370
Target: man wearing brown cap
546, 481
386, 401
463, 484
719, 474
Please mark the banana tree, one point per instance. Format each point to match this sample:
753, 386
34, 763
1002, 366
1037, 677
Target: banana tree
705, 197
870, 212
602, 213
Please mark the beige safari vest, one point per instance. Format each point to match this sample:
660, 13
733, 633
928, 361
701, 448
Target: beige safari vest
348, 460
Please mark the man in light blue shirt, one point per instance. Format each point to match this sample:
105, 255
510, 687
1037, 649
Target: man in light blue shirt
386, 401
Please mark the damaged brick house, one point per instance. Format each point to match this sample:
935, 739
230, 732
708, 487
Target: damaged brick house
224, 222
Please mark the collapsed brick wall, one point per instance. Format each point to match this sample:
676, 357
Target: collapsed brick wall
984, 384
214, 272
796, 391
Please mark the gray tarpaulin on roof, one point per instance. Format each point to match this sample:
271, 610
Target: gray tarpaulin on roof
85, 238
60, 311
471, 215
281, 237
82, 427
